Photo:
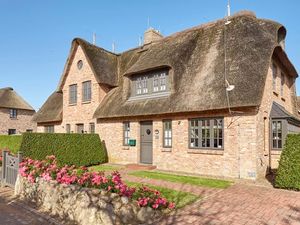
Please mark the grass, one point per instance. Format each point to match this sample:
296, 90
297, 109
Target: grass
180, 198
105, 167
10, 142
198, 181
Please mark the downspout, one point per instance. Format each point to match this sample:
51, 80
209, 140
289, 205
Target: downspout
270, 156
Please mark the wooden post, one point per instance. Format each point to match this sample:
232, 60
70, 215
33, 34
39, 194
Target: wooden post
4, 154
20, 155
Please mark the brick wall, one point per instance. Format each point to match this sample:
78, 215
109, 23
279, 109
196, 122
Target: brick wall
238, 159
81, 112
21, 123
287, 100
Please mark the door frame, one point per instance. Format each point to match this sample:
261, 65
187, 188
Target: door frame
148, 122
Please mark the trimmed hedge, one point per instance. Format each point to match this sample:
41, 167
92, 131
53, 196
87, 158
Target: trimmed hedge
69, 149
288, 173
10, 142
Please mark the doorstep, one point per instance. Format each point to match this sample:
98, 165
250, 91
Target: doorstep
140, 167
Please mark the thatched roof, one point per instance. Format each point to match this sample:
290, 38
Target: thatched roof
52, 109
196, 59
10, 99
103, 63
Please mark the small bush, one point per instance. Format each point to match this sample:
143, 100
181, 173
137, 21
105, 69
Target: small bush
288, 173
70, 149
10, 142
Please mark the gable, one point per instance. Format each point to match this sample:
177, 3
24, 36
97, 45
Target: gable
102, 63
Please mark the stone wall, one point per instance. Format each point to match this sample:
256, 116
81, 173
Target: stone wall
21, 123
82, 205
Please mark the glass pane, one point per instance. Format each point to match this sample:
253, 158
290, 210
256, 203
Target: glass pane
279, 144
220, 143
196, 142
279, 126
274, 144
207, 142
215, 143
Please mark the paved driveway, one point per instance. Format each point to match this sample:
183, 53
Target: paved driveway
14, 212
242, 204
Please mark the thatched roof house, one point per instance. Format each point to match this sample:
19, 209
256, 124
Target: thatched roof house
206, 98
15, 113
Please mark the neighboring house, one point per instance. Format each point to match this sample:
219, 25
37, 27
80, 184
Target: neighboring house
217, 99
15, 113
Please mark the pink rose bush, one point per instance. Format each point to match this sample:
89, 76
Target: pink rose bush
48, 170
152, 198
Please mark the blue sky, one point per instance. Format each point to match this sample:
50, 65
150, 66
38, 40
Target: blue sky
35, 36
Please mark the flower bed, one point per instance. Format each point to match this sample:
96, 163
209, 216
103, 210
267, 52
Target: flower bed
66, 190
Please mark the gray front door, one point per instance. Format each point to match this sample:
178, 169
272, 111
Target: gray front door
146, 142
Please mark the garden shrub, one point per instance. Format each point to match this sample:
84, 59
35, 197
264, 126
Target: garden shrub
288, 173
70, 149
10, 142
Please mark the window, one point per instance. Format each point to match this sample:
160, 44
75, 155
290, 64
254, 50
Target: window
12, 131
49, 129
73, 94
167, 132
277, 134
68, 128
144, 85
79, 64
86, 91
274, 72
126, 133
206, 133
154, 82
80, 128
13, 113
282, 83
139, 86
163, 83
29, 130
92, 128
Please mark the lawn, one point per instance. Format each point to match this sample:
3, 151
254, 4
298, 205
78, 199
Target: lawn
105, 167
198, 181
180, 198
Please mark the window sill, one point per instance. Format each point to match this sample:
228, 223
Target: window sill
86, 102
73, 104
149, 96
13, 118
206, 151
276, 151
166, 149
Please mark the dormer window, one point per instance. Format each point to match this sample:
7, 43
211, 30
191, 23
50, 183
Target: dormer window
163, 85
150, 85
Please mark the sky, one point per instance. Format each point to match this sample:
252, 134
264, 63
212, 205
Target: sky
36, 36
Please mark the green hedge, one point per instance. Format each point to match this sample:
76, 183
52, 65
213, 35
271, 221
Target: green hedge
70, 149
10, 142
288, 173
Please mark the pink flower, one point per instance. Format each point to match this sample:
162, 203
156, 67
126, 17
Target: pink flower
155, 206
23, 171
171, 205
46, 176
31, 178
96, 180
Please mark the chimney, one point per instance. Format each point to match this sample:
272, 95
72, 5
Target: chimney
151, 35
